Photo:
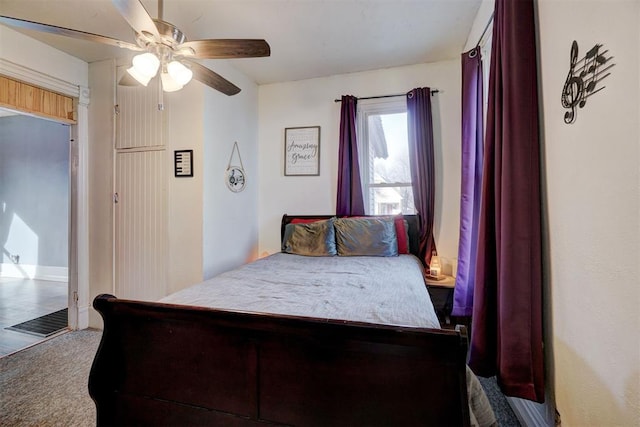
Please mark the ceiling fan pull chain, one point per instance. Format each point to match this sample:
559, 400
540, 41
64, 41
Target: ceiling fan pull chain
160, 96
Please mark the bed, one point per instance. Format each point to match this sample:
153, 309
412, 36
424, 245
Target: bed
317, 335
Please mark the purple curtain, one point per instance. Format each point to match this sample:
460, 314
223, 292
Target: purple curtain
420, 129
350, 200
506, 338
472, 151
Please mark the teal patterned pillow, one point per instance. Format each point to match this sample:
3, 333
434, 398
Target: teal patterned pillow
310, 239
366, 236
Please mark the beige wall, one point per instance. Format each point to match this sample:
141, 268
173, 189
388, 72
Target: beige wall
100, 158
34, 55
591, 206
230, 229
184, 127
311, 103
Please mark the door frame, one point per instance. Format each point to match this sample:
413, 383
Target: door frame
78, 283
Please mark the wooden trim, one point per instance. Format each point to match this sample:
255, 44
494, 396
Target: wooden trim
33, 100
36, 78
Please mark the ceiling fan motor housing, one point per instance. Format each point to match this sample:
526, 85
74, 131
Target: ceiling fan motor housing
170, 36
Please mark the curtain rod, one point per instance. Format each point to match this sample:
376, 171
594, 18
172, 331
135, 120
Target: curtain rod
485, 28
434, 91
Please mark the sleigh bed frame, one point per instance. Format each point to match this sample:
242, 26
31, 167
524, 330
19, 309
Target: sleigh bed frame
165, 364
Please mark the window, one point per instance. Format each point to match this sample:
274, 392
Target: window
384, 157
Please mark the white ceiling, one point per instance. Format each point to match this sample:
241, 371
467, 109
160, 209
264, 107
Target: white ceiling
308, 38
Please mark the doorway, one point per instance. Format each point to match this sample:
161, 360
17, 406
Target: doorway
34, 229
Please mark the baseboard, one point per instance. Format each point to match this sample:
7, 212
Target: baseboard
532, 414
83, 317
36, 272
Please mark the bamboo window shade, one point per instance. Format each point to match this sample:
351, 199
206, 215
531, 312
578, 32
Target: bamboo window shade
33, 100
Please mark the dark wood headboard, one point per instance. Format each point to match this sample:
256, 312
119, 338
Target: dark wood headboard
412, 222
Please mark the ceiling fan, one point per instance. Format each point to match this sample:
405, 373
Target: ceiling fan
163, 48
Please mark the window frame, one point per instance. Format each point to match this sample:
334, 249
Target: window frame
366, 108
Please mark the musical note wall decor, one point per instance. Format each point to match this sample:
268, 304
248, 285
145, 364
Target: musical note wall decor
584, 76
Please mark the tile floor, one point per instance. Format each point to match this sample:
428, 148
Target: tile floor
22, 300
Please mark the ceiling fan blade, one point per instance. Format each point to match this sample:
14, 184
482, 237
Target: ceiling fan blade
212, 79
225, 48
61, 31
138, 18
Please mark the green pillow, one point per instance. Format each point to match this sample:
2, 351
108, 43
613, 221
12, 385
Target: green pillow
310, 239
366, 236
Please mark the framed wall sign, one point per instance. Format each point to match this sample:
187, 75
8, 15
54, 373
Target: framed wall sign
302, 151
183, 163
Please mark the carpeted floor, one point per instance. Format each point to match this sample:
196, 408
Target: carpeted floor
46, 385
504, 414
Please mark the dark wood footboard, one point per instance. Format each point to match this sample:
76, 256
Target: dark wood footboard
161, 364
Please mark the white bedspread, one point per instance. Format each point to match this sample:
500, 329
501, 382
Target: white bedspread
382, 290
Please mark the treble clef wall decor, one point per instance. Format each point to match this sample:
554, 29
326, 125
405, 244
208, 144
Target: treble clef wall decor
582, 79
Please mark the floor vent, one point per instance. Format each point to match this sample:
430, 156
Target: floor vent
43, 326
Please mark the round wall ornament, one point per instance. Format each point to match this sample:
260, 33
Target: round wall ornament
235, 177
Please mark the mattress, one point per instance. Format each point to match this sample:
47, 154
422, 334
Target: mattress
380, 290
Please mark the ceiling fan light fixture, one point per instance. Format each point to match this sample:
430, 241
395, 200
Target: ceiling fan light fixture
142, 79
179, 72
168, 83
146, 64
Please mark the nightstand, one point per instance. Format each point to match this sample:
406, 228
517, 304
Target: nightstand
441, 292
